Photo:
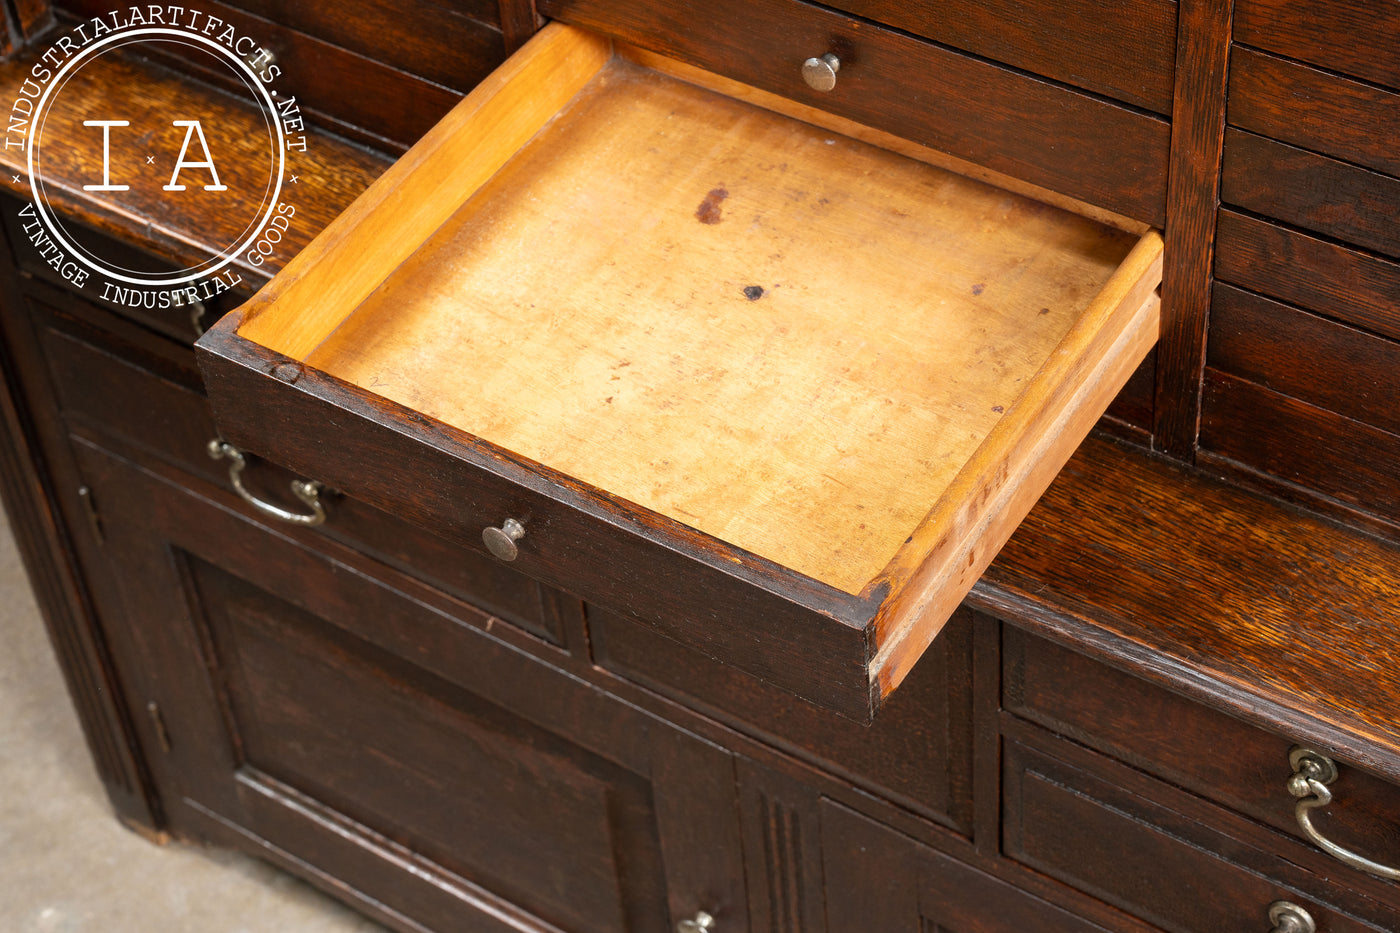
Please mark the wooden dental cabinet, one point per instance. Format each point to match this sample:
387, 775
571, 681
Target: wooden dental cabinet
965, 498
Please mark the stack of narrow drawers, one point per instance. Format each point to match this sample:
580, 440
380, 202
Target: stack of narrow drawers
1303, 364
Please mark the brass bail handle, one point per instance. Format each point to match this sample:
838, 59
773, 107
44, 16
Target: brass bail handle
307, 491
1312, 772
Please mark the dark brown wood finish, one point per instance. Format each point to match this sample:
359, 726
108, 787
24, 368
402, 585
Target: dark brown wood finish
1150, 850
1124, 51
1265, 611
1340, 368
118, 397
1302, 188
1310, 447
519, 21
168, 232
1241, 767
1198, 125
33, 515
407, 64
916, 753
879, 880
1343, 283
1315, 109
1014, 123
1356, 37
580, 788
34, 17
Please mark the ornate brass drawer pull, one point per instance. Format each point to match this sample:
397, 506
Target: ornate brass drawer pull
1290, 918
1312, 772
307, 490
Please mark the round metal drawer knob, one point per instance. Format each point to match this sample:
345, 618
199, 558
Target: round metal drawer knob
501, 541
700, 923
1290, 918
820, 73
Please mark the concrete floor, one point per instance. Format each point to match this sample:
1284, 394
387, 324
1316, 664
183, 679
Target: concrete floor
66, 864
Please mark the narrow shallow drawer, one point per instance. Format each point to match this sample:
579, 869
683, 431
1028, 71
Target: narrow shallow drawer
762, 384
1194, 747
1303, 188
1315, 109
999, 117
1287, 350
1356, 37
1122, 50
381, 73
1147, 849
1347, 284
917, 753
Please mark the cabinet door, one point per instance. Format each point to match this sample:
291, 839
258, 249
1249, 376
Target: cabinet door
878, 879
343, 720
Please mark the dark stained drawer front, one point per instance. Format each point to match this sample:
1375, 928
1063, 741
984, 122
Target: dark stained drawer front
115, 400
1049, 135
1336, 281
1302, 188
1306, 356
1206, 752
1122, 50
1176, 870
878, 881
1302, 444
917, 753
1314, 109
1356, 37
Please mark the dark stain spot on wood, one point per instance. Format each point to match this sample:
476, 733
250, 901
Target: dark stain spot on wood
753, 292
998, 409
709, 210
1044, 310
977, 289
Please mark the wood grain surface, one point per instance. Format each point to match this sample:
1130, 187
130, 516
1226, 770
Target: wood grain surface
1122, 50
1305, 189
1343, 369
1315, 109
1356, 37
1350, 285
588, 309
1198, 126
1269, 611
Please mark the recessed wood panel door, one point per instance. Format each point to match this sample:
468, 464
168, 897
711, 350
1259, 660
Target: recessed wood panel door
347, 725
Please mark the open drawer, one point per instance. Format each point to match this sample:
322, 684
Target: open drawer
767, 381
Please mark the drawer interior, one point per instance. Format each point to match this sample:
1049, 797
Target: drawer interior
803, 339
788, 339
